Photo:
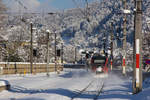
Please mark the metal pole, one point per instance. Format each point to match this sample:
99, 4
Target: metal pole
31, 49
47, 53
112, 46
137, 63
55, 54
124, 38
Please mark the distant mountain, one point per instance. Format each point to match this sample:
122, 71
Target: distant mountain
74, 29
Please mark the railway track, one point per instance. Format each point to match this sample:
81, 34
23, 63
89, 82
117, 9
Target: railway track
84, 90
99, 92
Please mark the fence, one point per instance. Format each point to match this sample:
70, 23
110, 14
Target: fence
23, 68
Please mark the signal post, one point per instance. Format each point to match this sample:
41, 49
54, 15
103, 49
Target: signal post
124, 38
137, 62
112, 38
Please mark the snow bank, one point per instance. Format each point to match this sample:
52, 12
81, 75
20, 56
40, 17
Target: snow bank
4, 83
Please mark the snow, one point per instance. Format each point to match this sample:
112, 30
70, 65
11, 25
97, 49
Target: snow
68, 83
4, 83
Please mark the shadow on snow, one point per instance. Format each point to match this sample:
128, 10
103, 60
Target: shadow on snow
106, 94
27, 99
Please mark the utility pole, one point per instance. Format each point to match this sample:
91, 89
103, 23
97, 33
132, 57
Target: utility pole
31, 49
124, 37
48, 32
55, 53
137, 61
62, 52
112, 37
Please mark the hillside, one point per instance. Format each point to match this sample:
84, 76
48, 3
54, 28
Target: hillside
74, 29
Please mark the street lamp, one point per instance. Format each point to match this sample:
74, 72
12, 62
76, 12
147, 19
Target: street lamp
48, 32
31, 49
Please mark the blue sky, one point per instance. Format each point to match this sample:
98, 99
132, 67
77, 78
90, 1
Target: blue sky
64, 4
60, 4
47, 5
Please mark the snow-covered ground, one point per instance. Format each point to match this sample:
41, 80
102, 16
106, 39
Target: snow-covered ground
68, 84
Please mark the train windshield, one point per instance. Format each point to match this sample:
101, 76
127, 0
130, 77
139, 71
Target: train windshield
98, 59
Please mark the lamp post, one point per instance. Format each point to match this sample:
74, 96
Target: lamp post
31, 49
47, 69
